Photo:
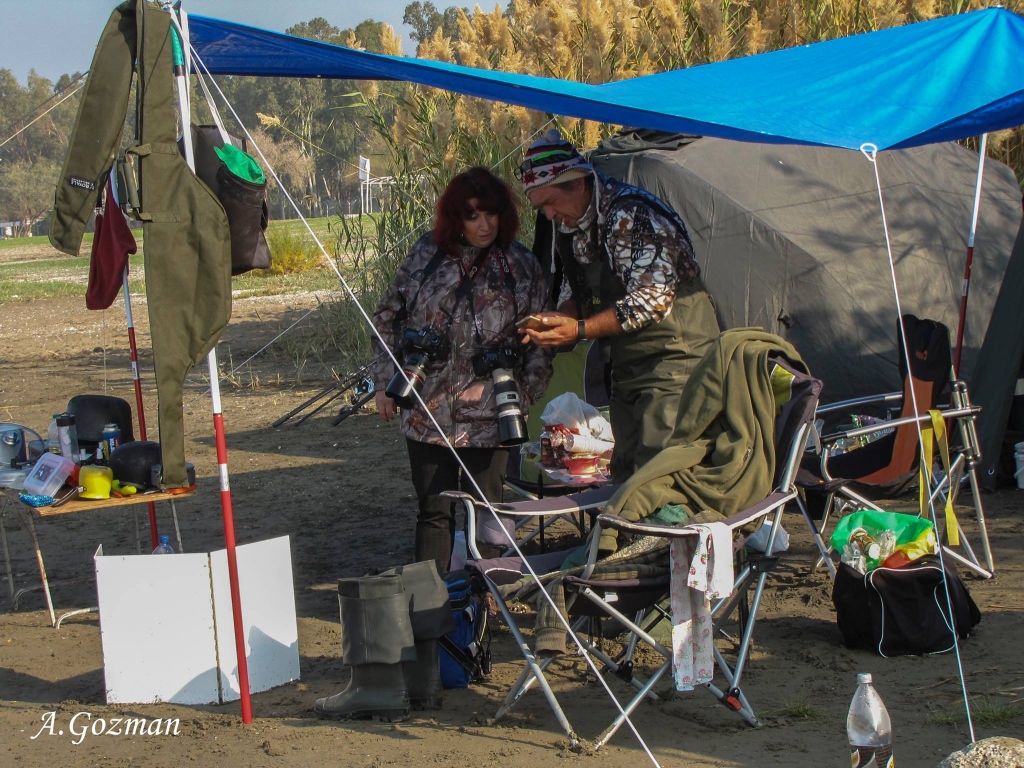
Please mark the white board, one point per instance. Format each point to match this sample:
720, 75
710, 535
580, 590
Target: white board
268, 616
167, 628
156, 627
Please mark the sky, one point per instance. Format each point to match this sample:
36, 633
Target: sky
57, 37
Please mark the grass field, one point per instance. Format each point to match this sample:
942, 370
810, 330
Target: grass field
39, 276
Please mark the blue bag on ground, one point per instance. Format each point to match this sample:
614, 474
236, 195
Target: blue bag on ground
466, 652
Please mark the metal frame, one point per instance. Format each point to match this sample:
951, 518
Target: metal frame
967, 460
44, 584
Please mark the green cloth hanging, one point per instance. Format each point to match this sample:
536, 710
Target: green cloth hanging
243, 165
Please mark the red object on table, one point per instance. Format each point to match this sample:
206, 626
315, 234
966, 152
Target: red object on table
582, 465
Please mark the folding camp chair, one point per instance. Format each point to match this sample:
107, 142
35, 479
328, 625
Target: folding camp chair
887, 466
634, 602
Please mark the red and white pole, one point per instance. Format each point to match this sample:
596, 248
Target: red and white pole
133, 351
140, 407
227, 511
966, 288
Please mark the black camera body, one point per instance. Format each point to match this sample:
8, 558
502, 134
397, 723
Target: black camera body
421, 347
487, 360
498, 363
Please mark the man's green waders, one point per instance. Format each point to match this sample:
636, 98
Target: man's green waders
650, 368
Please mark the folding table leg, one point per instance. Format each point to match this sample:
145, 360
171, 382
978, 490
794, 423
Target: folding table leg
27, 517
7, 553
177, 529
138, 534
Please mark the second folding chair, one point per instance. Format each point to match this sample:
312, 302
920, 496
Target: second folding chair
835, 482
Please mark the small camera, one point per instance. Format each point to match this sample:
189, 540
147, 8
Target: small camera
499, 363
421, 348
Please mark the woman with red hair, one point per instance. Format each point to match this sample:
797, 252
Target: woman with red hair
449, 318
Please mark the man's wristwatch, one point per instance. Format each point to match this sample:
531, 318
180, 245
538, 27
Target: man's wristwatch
581, 330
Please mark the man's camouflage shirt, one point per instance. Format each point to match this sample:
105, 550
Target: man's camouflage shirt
647, 249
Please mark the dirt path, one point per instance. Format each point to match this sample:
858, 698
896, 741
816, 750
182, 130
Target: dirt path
343, 496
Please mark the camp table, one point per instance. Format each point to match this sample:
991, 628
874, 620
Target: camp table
10, 498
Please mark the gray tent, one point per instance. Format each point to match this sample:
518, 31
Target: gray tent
790, 239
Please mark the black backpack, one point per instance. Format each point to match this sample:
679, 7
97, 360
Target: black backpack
902, 611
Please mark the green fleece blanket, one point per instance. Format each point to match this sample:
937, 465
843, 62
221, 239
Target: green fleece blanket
721, 457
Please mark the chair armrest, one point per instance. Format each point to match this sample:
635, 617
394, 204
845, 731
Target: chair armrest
586, 501
924, 418
747, 516
844, 404
555, 505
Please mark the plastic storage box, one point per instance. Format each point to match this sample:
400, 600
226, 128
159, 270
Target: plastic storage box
48, 474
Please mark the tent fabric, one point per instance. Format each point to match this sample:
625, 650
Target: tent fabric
791, 239
998, 364
933, 81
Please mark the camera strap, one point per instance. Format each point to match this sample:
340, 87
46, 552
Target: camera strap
465, 289
465, 286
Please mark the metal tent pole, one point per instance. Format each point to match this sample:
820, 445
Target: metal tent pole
218, 417
970, 256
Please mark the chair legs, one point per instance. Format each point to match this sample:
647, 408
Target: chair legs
639, 626
534, 671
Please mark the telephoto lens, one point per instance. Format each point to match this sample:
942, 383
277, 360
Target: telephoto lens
401, 388
511, 425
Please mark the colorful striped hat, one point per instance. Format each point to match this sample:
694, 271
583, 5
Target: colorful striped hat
550, 160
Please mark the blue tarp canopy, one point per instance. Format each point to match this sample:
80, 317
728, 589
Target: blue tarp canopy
922, 83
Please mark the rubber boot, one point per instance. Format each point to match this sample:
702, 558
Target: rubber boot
431, 619
376, 638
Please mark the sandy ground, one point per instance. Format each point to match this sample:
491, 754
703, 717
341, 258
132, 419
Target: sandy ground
343, 496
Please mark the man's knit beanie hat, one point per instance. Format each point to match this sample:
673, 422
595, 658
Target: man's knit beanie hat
552, 160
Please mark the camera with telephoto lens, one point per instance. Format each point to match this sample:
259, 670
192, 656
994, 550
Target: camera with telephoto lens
421, 347
499, 363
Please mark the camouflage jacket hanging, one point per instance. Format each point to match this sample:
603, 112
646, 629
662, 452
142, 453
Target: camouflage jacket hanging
424, 294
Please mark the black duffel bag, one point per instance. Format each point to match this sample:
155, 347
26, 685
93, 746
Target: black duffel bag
902, 611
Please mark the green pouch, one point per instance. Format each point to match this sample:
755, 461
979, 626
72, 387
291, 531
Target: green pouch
240, 163
907, 528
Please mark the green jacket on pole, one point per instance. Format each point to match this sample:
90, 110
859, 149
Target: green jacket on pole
187, 243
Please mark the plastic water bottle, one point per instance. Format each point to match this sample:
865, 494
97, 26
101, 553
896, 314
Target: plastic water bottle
53, 436
868, 728
164, 547
67, 434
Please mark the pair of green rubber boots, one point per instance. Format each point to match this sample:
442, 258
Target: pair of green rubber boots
390, 627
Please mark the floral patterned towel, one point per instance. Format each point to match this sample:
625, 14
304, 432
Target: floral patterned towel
701, 569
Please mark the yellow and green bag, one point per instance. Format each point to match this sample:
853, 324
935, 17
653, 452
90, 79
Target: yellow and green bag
915, 536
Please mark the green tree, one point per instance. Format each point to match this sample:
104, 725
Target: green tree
26, 191
425, 20
35, 126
